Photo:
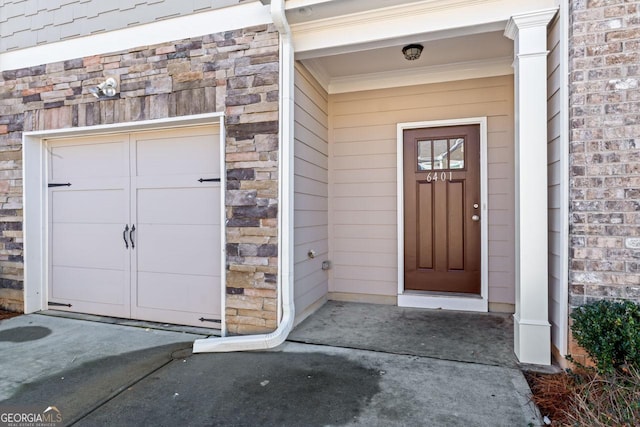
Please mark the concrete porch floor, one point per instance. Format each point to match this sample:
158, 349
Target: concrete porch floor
483, 338
368, 365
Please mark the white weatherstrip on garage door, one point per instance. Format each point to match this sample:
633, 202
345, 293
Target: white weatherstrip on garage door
137, 234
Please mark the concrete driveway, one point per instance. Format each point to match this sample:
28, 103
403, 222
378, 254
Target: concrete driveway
100, 374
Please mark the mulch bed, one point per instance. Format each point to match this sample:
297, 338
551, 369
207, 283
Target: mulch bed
552, 393
7, 314
585, 398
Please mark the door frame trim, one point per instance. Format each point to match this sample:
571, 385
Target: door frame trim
36, 201
441, 300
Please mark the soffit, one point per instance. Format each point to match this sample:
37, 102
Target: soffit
299, 11
478, 47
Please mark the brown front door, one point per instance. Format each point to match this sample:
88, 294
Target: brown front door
442, 209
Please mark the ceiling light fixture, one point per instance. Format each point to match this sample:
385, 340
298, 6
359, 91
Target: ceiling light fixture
412, 52
305, 10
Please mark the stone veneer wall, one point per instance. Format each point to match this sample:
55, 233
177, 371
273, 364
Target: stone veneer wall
235, 72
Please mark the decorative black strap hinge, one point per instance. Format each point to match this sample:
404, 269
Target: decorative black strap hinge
68, 184
202, 319
209, 180
58, 304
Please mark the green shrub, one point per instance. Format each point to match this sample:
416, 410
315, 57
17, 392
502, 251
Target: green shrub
609, 331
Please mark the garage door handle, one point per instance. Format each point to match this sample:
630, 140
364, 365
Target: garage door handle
124, 236
133, 244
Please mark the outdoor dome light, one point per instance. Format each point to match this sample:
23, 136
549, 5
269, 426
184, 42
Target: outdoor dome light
412, 52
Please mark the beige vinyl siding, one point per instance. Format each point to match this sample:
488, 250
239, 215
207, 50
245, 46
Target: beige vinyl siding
311, 190
362, 187
554, 176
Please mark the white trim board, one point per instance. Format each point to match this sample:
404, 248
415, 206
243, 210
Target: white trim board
440, 300
339, 34
197, 24
36, 198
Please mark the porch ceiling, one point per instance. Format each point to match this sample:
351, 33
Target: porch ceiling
479, 47
451, 58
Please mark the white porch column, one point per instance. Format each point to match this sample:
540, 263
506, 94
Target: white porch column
532, 331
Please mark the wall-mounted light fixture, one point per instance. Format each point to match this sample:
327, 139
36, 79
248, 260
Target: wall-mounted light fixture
107, 88
412, 52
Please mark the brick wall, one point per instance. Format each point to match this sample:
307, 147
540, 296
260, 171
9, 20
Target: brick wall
605, 150
235, 72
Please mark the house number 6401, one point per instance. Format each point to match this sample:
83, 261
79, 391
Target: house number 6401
439, 176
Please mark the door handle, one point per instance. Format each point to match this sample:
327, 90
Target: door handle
133, 244
473, 218
124, 236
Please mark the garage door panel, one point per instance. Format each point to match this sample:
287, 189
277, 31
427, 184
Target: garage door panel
179, 206
89, 285
90, 206
92, 160
91, 184
184, 249
176, 181
178, 292
149, 180
89, 245
177, 155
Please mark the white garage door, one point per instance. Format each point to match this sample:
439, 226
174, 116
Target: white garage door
136, 234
